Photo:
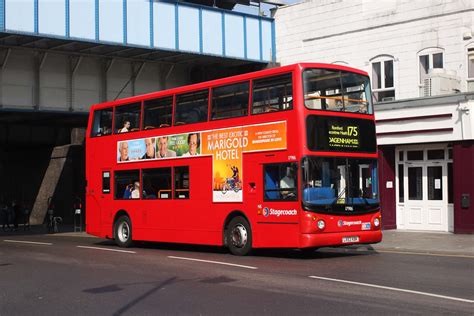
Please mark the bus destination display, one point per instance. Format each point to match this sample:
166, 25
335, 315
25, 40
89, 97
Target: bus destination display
326, 133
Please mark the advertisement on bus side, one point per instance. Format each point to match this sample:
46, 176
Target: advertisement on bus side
226, 147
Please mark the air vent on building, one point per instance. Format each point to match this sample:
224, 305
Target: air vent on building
439, 82
387, 99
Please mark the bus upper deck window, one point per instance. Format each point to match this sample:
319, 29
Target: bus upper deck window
158, 113
127, 118
102, 124
272, 94
334, 90
191, 107
230, 101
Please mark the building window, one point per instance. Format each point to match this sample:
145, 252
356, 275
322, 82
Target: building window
431, 58
382, 79
470, 69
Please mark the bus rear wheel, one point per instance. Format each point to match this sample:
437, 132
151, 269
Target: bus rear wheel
123, 232
239, 236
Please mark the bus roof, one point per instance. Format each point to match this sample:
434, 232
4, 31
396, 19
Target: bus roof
224, 81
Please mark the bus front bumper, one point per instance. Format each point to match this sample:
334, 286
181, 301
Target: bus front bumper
340, 239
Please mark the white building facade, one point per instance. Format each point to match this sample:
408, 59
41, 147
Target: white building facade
420, 57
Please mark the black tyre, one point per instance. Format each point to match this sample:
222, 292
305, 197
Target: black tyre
239, 236
123, 232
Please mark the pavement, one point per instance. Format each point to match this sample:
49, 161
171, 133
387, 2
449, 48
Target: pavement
415, 242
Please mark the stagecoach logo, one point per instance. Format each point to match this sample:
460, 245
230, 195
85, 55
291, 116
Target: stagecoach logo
266, 212
341, 223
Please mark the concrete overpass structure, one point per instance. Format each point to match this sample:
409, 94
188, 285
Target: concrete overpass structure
57, 57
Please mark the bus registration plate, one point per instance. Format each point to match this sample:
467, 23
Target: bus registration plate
350, 239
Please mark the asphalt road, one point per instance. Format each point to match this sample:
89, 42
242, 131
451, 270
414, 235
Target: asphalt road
58, 275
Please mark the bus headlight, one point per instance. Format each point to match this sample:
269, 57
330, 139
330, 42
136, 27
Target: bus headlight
376, 222
321, 224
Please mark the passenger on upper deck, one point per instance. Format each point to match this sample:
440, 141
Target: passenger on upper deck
125, 128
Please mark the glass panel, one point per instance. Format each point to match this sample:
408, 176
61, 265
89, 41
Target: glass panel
212, 32
111, 20
415, 186
470, 65
272, 94
234, 36
181, 182
127, 184
164, 18
267, 40
230, 101
102, 124
336, 91
253, 39
438, 60
376, 76
401, 184
106, 182
450, 153
435, 183
191, 107
388, 64
424, 66
415, 155
436, 154
450, 183
388, 67
340, 183
47, 25
158, 113
280, 182
127, 118
188, 29
138, 22
157, 183
82, 19
400, 155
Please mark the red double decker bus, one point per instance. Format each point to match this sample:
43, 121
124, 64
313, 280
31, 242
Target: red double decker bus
283, 157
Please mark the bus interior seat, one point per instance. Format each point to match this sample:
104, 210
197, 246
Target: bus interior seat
319, 195
271, 184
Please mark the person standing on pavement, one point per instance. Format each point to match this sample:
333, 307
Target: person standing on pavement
4, 216
17, 210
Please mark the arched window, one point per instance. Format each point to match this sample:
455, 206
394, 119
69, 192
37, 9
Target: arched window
470, 67
429, 58
383, 87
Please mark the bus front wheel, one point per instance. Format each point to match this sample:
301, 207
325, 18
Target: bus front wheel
239, 236
123, 232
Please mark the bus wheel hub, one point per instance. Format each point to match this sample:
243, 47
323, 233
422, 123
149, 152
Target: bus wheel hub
239, 236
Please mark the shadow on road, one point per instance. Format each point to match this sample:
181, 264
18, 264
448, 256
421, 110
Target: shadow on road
296, 254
